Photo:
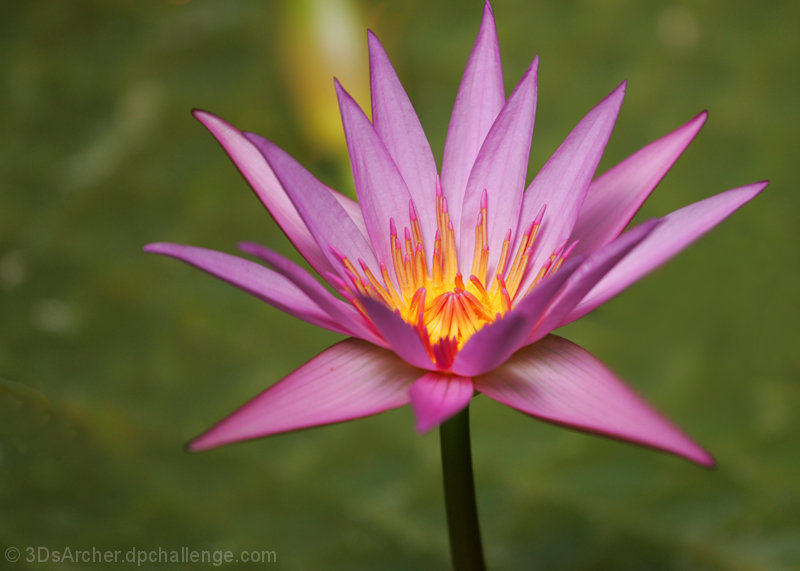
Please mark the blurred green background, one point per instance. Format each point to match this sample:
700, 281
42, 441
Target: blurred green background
110, 359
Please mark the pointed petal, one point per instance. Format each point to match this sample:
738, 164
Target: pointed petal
399, 128
500, 170
586, 277
382, 192
436, 397
262, 180
495, 343
678, 230
342, 313
562, 183
615, 196
400, 336
350, 380
322, 213
253, 278
559, 382
480, 97
353, 211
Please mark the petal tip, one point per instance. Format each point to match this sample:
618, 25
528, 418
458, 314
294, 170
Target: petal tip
706, 460
754, 189
200, 444
372, 39
423, 426
156, 248
206, 117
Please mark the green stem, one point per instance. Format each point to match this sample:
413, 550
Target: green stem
459, 494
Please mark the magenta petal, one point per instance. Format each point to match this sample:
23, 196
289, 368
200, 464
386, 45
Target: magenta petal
262, 180
350, 380
322, 213
678, 230
562, 183
253, 278
382, 192
500, 170
480, 97
399, 128
586, 277
491, 346
436, 397
341, 312
615, 196
559, 382
402, 338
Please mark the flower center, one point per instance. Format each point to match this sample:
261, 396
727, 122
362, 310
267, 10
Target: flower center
444, 309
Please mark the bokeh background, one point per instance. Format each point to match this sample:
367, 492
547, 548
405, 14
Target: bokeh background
111, 359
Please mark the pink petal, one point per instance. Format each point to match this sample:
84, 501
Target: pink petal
322, 213
491, 346
382, 192
399, 128
436, 397
562, 183
400, 336
342, 313
615, 196
480, 97
350, 380
586, 277
678, 230
500, 169
253, 278
353, 210
559, 382
262, 180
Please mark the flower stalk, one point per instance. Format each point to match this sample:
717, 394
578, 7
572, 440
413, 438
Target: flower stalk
466, 549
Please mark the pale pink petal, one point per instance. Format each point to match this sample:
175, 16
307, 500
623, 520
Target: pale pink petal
350, 380
559, 382
322, 213
382, 192
253, 278
586, 277
562, 183
491, 346
399, 128
436, 397
399, 335
615, 196
342, 313
678, 230
480, 97
499, 171
262, 180
353, 211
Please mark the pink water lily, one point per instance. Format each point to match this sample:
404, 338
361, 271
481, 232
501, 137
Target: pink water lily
451, 284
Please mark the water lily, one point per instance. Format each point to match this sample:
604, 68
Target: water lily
449, 284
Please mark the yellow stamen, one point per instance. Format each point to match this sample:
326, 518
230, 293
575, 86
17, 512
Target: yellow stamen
444, 309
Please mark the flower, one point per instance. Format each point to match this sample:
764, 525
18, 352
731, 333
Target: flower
451, 286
